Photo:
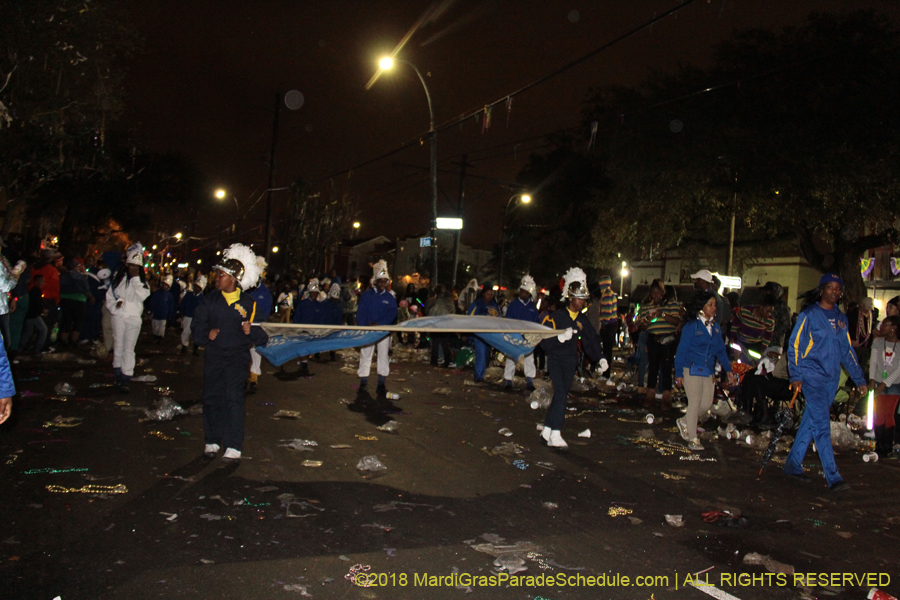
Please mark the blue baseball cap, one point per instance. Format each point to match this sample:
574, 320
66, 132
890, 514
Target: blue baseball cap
828, 278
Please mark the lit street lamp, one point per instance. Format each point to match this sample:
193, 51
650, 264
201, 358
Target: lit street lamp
523, 199
386, 64
622, 283
221, 194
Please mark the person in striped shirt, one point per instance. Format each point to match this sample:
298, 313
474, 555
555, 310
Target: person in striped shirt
608, 320
752, 327
660, 318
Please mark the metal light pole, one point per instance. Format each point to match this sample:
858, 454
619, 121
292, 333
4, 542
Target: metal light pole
622, 282
525, 199
386, 64
220, 194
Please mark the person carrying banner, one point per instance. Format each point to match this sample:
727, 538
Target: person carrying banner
484, 306
222, 324
377, 306
522, 308
562, 352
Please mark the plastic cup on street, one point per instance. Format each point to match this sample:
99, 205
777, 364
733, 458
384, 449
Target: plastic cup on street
649, 418
535, 404
392, 396
870, 457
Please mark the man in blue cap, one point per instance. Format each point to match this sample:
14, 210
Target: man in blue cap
819, 345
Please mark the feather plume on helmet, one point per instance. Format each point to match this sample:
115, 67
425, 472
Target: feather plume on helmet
529, 286
380, 271
575, 285
247, 271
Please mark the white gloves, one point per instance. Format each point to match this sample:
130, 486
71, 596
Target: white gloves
603, 365
565, 336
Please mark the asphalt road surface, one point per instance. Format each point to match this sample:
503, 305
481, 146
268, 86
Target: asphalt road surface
452, 516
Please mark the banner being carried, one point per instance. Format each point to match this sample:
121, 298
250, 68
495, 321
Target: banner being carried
512, 337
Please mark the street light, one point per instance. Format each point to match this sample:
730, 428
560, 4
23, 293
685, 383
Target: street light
220, 194
523, 199
386, 64
622, 283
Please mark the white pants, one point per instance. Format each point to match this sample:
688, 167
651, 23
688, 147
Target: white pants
125, 336
510, 369
255, 360
186, 331
158, 327
107, 328
384, 361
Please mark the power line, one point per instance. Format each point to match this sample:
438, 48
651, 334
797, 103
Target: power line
471, 114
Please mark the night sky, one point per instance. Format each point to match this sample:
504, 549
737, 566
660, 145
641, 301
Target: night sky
206, 85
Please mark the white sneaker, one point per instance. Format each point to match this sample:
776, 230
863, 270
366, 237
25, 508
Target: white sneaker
545, 434
211, 449
232, 454
556, 440
682, 429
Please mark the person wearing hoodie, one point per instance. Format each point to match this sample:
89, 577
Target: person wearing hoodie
125, 302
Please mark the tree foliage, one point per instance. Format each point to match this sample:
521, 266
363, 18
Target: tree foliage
318, 222
794, 131
61, 73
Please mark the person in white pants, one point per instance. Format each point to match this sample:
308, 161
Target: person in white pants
383, 366
522, 308
125, 301
377, 306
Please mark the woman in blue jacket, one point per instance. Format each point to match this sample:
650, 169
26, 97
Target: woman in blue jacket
820, 344
695, 361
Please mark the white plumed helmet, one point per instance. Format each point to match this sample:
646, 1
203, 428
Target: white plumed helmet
529, 286
380, 271
575, 285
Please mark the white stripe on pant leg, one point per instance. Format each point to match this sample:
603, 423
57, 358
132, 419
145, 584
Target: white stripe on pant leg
530, 371
255, 360
509, 369
186, 330
384, 358
365, 360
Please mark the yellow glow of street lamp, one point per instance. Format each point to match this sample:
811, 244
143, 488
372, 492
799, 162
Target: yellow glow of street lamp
199, 261
356, 225
386, 63
220, 193
154, 246
525, 198
178, 236
275, 249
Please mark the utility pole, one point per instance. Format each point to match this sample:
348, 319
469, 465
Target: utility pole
459, 207
268, 236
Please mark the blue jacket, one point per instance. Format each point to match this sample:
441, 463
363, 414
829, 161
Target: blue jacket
818, 349
698, 347
522, 311
214, 312
310, 312
7, 388
486, 309
263, 298
162, 304
376, 308
189, 304
581, 330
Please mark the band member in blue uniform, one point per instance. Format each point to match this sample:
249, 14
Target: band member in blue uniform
562, 352
377, 306
222, 324
263, 298
522, 308
309, 311
819, 345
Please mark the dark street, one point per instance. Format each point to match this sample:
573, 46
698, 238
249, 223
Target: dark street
270, 527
